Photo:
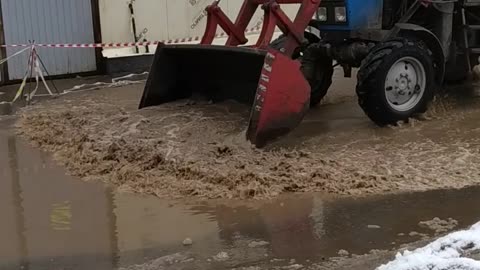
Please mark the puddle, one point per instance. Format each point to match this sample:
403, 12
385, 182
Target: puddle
53, 221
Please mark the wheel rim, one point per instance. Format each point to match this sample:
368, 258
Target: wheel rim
405, 84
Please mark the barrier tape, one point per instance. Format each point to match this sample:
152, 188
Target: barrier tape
33, 68
121, 45
13, 55
34, 65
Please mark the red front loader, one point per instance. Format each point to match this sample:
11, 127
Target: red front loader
267, 79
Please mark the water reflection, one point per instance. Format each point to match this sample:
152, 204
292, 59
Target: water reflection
16, 202
52, 221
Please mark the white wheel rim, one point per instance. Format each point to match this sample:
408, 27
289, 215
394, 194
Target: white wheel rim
405, 84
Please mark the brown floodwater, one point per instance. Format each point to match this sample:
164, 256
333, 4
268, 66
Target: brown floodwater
50, 220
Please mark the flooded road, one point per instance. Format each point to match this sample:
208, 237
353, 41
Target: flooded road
53, 221
200, 150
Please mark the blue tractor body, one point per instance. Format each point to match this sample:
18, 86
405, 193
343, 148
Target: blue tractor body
360, 14
403, 48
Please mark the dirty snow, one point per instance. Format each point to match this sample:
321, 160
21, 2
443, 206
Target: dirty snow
221, 256
439, 225
343, 253
447, 253
134, 78
255, 244
187, 242
162, 262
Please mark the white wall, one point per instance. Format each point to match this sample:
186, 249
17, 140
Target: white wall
165, 19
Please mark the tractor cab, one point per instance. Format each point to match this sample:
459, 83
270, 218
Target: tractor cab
349, 15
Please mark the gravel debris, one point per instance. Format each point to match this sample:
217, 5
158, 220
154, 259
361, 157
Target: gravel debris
187, 242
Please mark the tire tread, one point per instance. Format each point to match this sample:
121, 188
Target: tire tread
368, 85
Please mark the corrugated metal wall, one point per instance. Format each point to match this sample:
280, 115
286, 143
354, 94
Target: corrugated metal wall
50, 21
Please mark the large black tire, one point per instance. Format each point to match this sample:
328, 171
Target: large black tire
317, 70
372, 89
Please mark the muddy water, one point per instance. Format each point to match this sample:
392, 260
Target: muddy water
53, 221
200, 150
453, 118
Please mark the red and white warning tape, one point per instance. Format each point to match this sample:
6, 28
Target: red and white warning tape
122, 45
34, 66
79, 45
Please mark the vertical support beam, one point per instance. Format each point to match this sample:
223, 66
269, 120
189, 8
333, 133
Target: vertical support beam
468, 50
97, 33
216, 17
293, 30
3, 51
268, 29
247, 11
444, 25
274, 16
303, 18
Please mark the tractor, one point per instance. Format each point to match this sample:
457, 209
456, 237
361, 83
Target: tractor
404, 49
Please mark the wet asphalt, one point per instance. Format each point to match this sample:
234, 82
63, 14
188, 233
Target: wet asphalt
50, 220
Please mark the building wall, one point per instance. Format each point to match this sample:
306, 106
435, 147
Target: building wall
165, 19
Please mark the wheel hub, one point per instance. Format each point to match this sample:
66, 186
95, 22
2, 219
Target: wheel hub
405, 84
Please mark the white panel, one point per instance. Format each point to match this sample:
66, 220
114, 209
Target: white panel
167, 19
152, 15
115, 21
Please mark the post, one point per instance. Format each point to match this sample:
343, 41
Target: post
3, 51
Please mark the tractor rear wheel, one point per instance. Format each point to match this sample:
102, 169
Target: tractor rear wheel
317, 70
396, 81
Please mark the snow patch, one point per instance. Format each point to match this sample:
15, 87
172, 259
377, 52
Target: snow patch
446, 253
255, 244
221, 256
439, 225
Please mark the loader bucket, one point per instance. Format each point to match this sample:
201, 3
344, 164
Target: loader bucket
217, 73
270, 81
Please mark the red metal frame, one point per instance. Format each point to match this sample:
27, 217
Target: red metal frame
274, 16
